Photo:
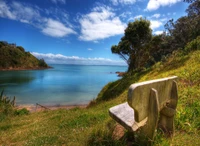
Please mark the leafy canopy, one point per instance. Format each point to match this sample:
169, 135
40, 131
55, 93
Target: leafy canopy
132, 45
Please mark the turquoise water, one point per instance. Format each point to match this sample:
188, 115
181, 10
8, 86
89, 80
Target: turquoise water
61, 85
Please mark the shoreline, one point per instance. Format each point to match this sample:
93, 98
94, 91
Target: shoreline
37, 107
20, 69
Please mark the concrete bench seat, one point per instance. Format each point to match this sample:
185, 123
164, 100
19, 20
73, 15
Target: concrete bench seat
124, 115
151, 105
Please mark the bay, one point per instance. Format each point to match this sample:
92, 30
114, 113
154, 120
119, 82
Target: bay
61, 85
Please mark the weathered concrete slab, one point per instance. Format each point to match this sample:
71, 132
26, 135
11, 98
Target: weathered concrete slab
124, 115
139, 93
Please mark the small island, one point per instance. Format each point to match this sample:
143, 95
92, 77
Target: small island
13, 57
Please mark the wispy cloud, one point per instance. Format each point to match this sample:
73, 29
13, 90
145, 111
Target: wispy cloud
59, 1
61, 59
5, 11
155, 4
56, 29
19, 12
125, 2
136, 17
31, 15
101, 23
155, 16
89, 49
158, 32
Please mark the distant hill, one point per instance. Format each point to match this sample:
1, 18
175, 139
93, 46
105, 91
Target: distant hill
14, 57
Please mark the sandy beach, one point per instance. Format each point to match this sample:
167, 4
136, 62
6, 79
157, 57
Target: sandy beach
38, 107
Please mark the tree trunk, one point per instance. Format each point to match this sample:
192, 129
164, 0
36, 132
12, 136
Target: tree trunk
132, 63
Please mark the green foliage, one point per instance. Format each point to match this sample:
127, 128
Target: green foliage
42, 63
132, 48
21, 48
12, 57
193, 45
114, 89
22, 111
93, 126
186, 28
6, 106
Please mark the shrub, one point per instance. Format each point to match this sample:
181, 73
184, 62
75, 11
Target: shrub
23, 111
193, 45
6, 106
42, 63
21, 48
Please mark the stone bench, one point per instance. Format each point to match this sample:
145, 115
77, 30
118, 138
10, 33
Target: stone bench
151, 105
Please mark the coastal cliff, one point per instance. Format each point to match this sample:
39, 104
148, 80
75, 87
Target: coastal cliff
14, 57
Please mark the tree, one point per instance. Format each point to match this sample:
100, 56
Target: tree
132, 46
194, 9
42, 63
21, 48
185, 28
189, 1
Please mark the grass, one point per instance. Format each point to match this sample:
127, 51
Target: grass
93, 126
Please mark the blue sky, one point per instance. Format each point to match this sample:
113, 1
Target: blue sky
79, 31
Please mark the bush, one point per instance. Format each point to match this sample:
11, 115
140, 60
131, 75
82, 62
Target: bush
21, 48
23, 111
193, 45
6, 106
42, 63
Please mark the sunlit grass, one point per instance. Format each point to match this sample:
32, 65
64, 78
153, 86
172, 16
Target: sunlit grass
93, 126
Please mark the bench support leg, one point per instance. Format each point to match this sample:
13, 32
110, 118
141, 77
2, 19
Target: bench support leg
147, 132
166, 121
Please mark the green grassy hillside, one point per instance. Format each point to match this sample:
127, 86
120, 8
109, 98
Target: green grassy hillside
93, 126
15, 57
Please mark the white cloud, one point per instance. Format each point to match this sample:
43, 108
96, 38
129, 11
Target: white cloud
20, 12
59, 1
125, 2
5, 11
114, 2
61, 59
158, 32
101, 23
156, 16
155, 4
125, 15
56, 29
155, 24
89, 49
164, 19
136, 17
31, 15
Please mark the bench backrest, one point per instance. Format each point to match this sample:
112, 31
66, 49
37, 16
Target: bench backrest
139, 93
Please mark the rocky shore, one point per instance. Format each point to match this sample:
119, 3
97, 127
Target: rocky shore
21, 68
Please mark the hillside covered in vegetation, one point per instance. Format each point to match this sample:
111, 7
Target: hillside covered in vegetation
176, 54
94, 126
14, 57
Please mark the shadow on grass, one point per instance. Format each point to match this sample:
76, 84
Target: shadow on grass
107, 136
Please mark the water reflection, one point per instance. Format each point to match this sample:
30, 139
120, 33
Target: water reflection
15, 77
64, 84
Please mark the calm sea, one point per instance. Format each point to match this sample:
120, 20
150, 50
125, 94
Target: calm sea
61, 85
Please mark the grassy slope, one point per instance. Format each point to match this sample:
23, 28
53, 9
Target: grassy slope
93, 126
